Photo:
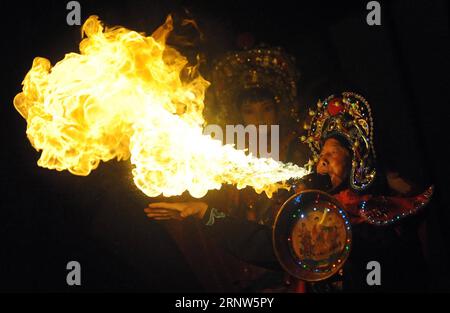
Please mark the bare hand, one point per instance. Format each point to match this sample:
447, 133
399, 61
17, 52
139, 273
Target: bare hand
175, 210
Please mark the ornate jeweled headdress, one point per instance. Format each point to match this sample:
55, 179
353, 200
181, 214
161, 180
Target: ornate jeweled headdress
347, 116
271, 69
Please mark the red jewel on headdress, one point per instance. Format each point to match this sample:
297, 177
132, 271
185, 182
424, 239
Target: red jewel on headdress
335, 106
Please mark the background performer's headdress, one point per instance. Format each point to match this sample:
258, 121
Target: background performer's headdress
260, 68
346, 116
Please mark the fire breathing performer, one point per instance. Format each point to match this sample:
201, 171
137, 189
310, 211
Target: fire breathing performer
383, 225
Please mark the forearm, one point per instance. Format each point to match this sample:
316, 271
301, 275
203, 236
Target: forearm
248, 241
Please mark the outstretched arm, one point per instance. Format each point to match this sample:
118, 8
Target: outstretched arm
248, 241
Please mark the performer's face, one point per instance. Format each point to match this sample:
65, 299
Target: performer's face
259, 112
334, 161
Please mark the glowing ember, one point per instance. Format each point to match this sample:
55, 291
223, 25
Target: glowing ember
131, 96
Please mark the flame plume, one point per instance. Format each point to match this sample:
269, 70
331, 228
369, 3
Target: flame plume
129, 96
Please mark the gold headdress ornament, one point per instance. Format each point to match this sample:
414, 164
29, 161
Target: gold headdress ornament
347, 116
271, 69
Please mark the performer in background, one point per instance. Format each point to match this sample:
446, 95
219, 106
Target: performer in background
341, 138
249, 87
259, 87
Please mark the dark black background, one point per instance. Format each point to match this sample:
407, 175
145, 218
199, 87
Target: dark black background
49, 218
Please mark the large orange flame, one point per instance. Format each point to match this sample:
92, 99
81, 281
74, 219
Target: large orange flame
128, 96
